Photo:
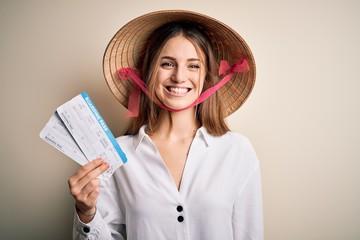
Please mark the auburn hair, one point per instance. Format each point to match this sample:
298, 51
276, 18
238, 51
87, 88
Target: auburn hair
209, 113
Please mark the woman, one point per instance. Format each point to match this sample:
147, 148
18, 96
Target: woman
188, 176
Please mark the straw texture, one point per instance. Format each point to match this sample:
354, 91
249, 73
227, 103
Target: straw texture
129, 42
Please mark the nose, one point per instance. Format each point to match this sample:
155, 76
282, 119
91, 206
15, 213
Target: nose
179, 75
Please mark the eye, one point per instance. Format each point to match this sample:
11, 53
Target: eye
167, 65
194, 66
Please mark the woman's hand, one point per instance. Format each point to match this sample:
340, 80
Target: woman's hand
84, 187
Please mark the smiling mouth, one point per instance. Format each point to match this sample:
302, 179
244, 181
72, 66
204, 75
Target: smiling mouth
178, 90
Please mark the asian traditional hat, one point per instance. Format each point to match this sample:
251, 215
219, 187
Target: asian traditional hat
127, 44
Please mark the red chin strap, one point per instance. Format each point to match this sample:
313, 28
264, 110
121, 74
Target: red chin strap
134, 74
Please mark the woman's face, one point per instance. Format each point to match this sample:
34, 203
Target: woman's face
181, 74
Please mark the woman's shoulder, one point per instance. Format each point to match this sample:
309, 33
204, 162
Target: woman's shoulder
233, 137
132, 139
233, 148
236, 136
238, 140
230, 141
126, 141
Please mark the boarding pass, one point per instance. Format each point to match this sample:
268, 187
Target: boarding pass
78, 130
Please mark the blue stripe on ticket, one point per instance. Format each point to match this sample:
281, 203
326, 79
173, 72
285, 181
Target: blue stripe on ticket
104, 126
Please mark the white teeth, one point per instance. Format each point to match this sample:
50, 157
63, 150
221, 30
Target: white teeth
178, 90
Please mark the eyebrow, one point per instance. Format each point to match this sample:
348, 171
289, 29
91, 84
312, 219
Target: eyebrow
174, 59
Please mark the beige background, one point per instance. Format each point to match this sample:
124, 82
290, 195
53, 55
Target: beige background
303, 116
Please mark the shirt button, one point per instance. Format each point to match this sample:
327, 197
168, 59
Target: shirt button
86, 229
180, 218
179, 208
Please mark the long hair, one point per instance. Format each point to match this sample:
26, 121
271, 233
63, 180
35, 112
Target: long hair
209, 113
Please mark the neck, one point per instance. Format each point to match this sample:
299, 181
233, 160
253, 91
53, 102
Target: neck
181, 124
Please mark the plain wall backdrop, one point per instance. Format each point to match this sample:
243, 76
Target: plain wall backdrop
303, 115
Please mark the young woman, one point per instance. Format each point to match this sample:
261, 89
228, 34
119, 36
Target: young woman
187, 176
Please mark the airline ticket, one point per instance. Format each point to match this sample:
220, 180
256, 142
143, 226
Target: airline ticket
78, 130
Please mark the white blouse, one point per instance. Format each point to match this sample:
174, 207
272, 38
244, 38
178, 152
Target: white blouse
219, 197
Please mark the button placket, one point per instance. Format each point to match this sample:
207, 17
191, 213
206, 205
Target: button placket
180, 209
86, 229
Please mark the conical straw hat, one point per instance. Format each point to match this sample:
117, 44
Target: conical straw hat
129, 42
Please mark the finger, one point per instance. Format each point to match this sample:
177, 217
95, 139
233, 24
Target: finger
92, 197
91, 186
84, 170
85, 203
93, 174
89, 167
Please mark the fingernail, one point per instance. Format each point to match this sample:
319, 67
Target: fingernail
99, 160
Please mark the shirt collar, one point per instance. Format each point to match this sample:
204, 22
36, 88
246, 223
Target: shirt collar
139, 137
205, 135
201, 134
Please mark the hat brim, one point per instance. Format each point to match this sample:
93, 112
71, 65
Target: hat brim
128, 43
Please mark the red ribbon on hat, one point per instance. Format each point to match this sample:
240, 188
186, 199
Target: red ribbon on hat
134, 98
240, 66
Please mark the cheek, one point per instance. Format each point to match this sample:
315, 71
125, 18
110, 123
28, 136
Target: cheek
159, 83
162, 76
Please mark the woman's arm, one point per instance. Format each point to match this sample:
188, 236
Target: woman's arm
248, 210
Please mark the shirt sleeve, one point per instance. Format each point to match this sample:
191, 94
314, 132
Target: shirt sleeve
248, 211
96, 229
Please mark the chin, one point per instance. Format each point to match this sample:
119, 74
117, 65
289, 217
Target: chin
178, 106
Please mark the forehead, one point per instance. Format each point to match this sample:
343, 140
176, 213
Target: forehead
181, 47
